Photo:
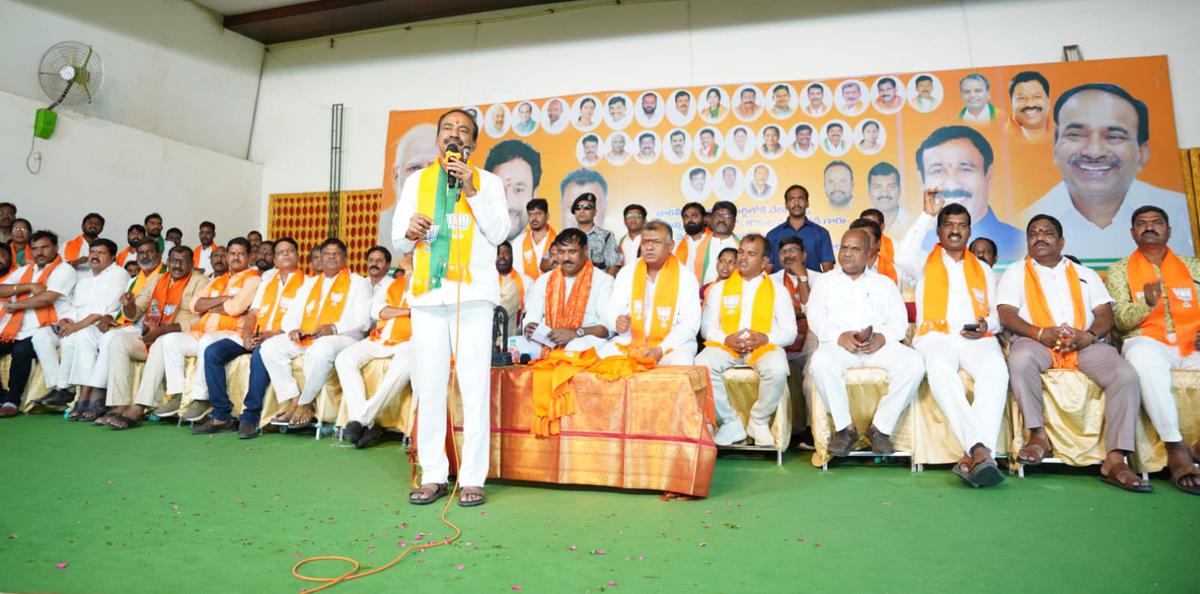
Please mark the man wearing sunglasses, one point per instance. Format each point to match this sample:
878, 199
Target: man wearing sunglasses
602, 244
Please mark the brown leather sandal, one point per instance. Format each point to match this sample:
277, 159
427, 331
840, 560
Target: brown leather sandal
427, 493
1034, 452
1180, 465
471, 497
1122, 476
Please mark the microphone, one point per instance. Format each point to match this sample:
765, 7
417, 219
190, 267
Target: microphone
453, 153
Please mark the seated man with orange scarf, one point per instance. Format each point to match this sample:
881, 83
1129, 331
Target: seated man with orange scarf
42, 290
748, 319
388, 340
655, 306
1158, 313
224, 303
334, 312
886, 264
567, 300
876, 261
75, 252
1060, 314
162, 308
956, 326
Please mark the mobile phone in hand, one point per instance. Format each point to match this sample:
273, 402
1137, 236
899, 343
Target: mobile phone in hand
971, 327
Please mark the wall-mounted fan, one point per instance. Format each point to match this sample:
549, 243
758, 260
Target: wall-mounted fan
70, 73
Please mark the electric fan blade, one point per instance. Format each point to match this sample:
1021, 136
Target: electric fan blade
88, 92
88, 59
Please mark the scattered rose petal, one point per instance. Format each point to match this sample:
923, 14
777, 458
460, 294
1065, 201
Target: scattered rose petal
419, 536
470, 543
703, 544
485, 514
598, 552
460, 567
173, 506
61, 565
571, 548
295, 554
817, 544
641, 557
801, 539
404, 524
887, 503
612, 583
517, 588
626, 558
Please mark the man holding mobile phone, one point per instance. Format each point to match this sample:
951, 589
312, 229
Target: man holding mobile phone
956, 319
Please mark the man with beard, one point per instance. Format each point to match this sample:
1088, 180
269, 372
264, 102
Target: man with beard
174, 236
1029, 93
747, 107
1158, 315
860, 320
985, 250
649, 107
646, 149
709, 149
202, 254
781, 101
803, 145
536, 239
958, 161
97, 295
219, 261
797, 280
568, 299
1058, 311
748, 322
414, 152
160, 309
133, 236
835, 144
678, 141
883, 190
520, 167
696, 249
255, 238
816, 100
818, 248
154, 228
976, 94
264, 258
852, 103
42, 291
8, 213
591, 150
1102, 141
888, 100
839, 184
77, 252
956, 326
512, 285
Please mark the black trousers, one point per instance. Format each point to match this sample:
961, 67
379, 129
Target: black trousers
18, 373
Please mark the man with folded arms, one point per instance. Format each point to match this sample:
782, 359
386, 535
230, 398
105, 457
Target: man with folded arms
97, 295
654, 311
162, 308
1059, 312
331, 312
860, 319
264, 320
223, 305
1158, 313
956, 326
42, 289
568, 298
388, 340
748, 319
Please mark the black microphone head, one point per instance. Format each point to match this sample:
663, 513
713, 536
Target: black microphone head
453, 147
525, 359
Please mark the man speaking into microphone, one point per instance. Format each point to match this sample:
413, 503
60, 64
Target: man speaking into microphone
452, 215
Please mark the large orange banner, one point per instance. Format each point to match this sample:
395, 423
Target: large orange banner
1087, 142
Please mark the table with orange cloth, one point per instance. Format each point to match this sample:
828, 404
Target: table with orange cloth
650, 431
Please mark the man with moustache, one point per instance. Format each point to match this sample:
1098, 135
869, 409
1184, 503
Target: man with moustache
575, 184
682, 102
602, 244
781, 99
747, 107
536, 238
202, 254
747, 322
414, 152
219, 260
803, 145
649, 109
646, 149
839, 184
554, 119
678, 141
617, 110
958, 160
888, 100
1058, 312
519, 165
629, 244
133, 236
8, 213
816, 100
886, 265
1158, 315
760, 182
255, 238
797, 280
834, 142
77, 252
852, 103
512, 286
1102, 141
724, 220
379, 261
709, 149
985, 250
264, 256
860, 320
1029, 93
591, 149
884, 191
976, 94
956, 325
817, 245
574, 318
924, 101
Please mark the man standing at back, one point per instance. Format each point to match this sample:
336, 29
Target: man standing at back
818, 248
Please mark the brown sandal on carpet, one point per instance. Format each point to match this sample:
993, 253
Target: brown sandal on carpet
471, 497
427, 493
1121, 475
1034, 452
1180, 465
962, 468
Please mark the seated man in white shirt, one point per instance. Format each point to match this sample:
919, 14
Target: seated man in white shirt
334, 313
567, 300
860, 319
42, 291
388, 340
956, 323
654, 310
97, 294
748, 319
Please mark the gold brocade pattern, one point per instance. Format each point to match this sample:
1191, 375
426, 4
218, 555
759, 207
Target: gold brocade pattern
305, 217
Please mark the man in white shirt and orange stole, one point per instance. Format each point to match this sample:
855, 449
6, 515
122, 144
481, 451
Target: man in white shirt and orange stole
1059, 312
77, 251
569, 298
452, 215
748, 319
860, 319
537, 238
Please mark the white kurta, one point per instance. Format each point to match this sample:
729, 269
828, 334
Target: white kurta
601, 291
94, 294
679, 345
1011, 291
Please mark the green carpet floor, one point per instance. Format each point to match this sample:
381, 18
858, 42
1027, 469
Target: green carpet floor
159, 510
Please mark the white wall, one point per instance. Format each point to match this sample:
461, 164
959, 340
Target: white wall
676, 43
169, 130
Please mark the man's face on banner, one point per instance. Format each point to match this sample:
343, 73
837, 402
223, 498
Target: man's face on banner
851, 93
683, 103
616, 111
925, 90
417, 150
887, 90
748, 98
646, 146
677, 141
835, 135
1030, 104
697, 179
804, 138
618, 145
884, 192
729, 176
649, 104
519, 190
706, 139
781, 98
554, 110
589, 150
525, 112
739, 138
839, 185
1097, 149
975, 94
815, 95
956, 167
761, 176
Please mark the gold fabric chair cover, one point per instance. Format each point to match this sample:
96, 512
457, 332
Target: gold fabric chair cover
865, 386
936, 443
741, 384
397, 416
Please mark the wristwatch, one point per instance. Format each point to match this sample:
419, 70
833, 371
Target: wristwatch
803, 279
579, 332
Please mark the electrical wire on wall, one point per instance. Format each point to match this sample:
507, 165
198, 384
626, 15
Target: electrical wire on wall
34, 161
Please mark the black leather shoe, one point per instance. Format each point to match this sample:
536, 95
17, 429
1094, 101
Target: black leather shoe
881, 444
210, 427
370, 437
247, 430
57, 398
843, 441
352, 432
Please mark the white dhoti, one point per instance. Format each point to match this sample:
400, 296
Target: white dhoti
45, 345
349, 364
972, 422
682, 355
1154, 361
98, 378
77, 357
200, 386
904, 368
772, 370
279, 351
466, 332
176, 348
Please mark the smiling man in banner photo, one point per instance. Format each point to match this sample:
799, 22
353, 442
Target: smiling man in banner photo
1102, 141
